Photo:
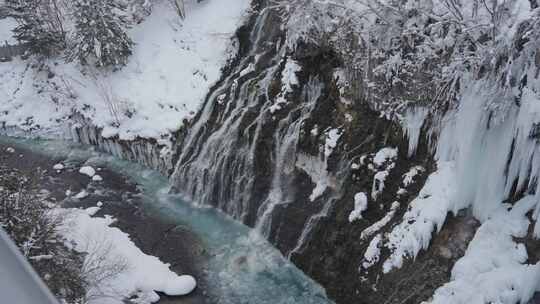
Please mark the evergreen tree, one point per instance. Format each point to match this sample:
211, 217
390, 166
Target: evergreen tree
39, 25
100, 33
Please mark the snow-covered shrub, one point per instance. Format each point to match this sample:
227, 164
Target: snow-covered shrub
100, 33
34, 229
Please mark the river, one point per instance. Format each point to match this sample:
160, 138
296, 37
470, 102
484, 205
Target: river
233, 263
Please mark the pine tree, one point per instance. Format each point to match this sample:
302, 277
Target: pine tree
39, 25
100, 33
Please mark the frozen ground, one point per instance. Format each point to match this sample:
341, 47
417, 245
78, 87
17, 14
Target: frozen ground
174, 63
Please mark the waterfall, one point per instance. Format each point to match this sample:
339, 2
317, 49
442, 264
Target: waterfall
244, 153
286, 140
217, 162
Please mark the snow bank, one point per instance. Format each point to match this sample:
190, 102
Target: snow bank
426, 213
6, 34
92, 210
174, 63
494, 268
143, 274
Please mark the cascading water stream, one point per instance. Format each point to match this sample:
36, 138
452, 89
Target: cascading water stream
242, 153
216, 163
286, 140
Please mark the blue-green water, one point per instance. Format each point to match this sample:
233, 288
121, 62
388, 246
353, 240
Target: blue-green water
263, 276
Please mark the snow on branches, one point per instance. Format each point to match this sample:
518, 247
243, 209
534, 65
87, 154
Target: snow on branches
90, 31
29, 221
40, 25
100, 33
401, 53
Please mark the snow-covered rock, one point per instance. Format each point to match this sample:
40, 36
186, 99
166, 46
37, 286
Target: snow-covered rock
58, 167
332, 137
385, 154
92, 210
97, 178
494, 268
408, 177
369, 231
371, 256
82, 194
88, 171
360, 205
378, 184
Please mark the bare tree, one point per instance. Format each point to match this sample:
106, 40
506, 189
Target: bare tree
34, 228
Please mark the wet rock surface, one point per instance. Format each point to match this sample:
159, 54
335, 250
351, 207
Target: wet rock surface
121, 199
261, 163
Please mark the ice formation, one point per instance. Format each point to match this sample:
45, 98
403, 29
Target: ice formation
360, 205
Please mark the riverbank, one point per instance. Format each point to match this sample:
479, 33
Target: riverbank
232, 263
122, 199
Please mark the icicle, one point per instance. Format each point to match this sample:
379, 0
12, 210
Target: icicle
412, 122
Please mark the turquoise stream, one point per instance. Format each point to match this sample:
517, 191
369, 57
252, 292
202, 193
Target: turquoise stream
242, 268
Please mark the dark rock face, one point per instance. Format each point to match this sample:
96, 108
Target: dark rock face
260, 163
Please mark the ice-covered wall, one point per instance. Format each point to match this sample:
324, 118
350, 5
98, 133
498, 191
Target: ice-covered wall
147, 152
